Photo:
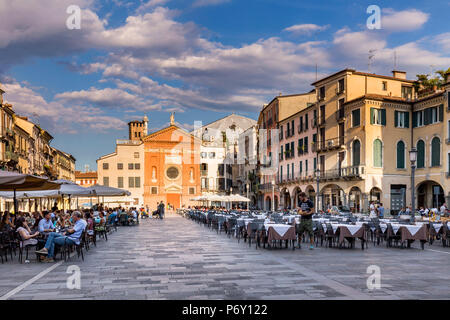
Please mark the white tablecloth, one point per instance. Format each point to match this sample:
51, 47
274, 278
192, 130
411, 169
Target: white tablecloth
437, 226
281, 229
352, 228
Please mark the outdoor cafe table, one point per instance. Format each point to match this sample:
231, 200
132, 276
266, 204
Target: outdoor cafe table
277, 231
348, 231
409, 233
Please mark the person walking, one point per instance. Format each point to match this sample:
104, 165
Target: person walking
306, 207
380, 211
161, 210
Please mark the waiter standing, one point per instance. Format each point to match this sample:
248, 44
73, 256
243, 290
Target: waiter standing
306, 223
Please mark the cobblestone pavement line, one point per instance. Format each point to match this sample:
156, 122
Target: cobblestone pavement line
178, 259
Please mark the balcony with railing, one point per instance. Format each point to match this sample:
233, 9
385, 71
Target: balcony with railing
340, 114
330, 144
321, 121
347, 173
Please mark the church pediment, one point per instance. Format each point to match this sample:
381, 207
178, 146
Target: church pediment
173, 188
170, 134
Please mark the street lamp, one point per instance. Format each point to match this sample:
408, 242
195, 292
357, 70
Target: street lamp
413, 159
317, 191
273, 195
247, 193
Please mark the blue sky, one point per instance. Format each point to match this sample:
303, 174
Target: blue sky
202, 59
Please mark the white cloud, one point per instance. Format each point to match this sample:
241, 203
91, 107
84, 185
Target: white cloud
55, 116
306, 29
204, 3
406, 20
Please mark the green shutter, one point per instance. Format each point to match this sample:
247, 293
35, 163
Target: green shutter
414, 119
435, 152
356, 153
395, 119
377, 153
401, 155
306, 145
383, 117
406, 119
420, 154
372, 110
441, 113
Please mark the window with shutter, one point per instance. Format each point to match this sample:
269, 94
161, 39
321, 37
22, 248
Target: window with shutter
441, 113
427, 116
356, 152
414, 119
377, 153
305, 145
306, 121
396, 119
435, 152
406, 119
401, 155
420, 154
383, 117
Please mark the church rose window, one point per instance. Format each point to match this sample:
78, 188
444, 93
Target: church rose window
172, 173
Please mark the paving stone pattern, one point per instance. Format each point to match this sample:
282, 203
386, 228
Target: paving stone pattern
178, 259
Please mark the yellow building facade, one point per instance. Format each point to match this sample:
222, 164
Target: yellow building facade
367, 124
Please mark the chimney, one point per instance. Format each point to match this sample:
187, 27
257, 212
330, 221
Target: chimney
399, 74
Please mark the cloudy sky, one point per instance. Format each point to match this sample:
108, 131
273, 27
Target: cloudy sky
201, 59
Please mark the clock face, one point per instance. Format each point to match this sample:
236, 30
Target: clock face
172, 173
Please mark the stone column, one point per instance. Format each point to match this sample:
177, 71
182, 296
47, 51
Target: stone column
365, 202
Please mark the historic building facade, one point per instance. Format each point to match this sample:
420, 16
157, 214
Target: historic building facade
279, 109
25, 147
366, 124
172, 167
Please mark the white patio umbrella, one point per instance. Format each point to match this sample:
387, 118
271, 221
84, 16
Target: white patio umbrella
12, 181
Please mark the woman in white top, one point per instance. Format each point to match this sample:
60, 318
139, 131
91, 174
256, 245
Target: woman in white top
25, 232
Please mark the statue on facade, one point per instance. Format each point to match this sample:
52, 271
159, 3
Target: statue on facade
172, 118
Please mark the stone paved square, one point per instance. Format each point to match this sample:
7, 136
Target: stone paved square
176, 258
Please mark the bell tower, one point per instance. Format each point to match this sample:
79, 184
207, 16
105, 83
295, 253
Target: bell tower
137, 130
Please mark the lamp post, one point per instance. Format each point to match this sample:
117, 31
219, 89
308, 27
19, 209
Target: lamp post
273, 195
247, 193
317, 191
231, 193
413, 159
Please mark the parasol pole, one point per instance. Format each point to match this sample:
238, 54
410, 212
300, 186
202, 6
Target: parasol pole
15, 203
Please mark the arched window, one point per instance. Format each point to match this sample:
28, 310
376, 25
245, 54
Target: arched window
377, 153
420, 154
401, 155
356, 150
191, 174
435, 152
154, 173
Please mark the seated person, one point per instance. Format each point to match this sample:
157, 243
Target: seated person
72, 236
25, 233
46, 224
6, 223
37, 218
90, 223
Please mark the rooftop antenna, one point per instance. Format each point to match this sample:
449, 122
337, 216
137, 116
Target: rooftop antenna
371, 56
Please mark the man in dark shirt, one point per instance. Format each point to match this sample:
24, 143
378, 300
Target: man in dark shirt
306, 224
